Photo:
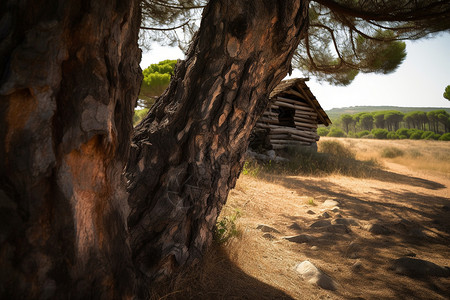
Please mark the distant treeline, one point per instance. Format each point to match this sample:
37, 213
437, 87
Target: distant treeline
392, 125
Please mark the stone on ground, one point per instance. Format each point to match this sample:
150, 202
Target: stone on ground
299, 239
313, 275
295, 226
326, 215
265, 228
342, 221
320, 223
330, 203
377, 229
269, 236
413, 267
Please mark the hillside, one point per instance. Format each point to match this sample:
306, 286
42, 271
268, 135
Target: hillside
334, 113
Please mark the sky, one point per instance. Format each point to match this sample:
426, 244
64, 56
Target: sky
419, 82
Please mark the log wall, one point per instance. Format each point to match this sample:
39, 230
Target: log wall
305, 119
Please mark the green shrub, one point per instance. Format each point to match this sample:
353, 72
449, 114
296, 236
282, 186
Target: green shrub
322, 131
336, 132
416, 135
380, 133
363, 133
436, 137
430, 135
391, 152
392, 135
445, 137
426, 135
226, 228
250, 168
403, 133
351, 134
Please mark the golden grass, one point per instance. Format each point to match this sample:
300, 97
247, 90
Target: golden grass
419, 155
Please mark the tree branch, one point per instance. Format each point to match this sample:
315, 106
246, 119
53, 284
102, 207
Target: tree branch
166, 29
435, 9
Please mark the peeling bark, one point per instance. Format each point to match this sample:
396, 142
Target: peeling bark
188, 152
69, 81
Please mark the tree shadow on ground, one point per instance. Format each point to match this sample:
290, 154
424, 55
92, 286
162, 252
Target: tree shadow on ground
388, 176
346, 166
416, 223
217, 277
431, 210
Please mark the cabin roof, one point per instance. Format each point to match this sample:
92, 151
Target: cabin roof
297, 88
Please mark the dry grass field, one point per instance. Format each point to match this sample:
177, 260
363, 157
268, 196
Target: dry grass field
406, 191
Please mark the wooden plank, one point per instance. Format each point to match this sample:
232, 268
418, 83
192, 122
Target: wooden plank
305, 114
303, 105
270, 121
274, 129
303, 139
284, 104
262, 125
308, 125
298, 109
278, 137
306, 120
282, 146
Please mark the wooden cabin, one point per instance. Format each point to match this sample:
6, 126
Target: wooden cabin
290, 119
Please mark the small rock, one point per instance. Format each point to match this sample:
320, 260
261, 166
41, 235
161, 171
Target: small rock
326, 215
271, 154
338, 228
295, 226
320, 223
330, 203
413, 267
265, 228
335, 209
310, 212
280, 159
377, 229
313, 275
299, 239
269, 236
357, 266
343, 221
314, 248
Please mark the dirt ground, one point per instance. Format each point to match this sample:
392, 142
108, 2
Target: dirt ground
413, 206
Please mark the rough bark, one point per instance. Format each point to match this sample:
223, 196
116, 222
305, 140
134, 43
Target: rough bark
188, 152
69, 80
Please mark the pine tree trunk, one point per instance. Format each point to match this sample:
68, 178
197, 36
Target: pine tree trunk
188, 152
69, 81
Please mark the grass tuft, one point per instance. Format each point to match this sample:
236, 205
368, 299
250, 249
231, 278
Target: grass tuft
391, 152
332, 158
